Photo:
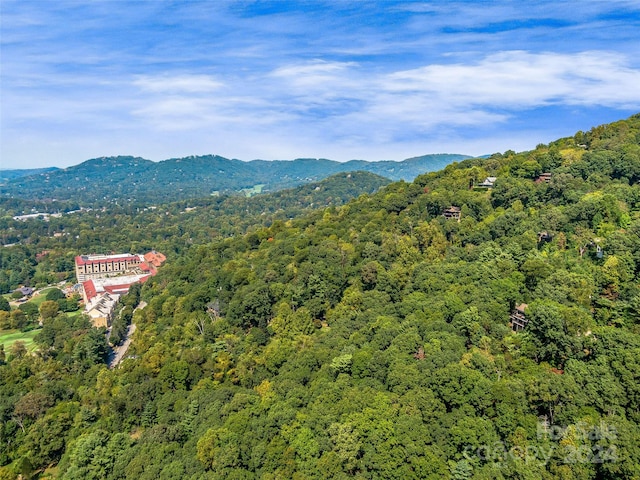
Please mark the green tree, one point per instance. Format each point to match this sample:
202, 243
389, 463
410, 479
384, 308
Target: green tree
30, 309
4, 304
251, 307
94, 455
547, 336
92, 348
5, 320
55, 294
48, 310
286, 322
218, 449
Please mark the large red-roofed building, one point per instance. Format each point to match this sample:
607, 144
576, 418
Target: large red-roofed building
105, 277
115, 286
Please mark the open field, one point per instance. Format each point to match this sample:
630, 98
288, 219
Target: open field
9, 337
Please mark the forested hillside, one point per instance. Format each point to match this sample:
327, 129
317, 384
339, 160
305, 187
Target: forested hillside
6, 175
370, 340
133, 180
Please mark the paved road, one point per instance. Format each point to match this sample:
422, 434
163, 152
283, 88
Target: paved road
120, 351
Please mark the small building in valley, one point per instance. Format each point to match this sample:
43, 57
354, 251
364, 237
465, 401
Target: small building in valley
25, 291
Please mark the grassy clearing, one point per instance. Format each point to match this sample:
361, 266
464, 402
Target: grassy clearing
9, 337
255, 190
40, 297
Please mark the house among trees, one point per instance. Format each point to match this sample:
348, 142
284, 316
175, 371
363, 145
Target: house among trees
543, 177
488, 182
452, 213
544, 237
589, 246
518, 318
25, 291
213, 309
42, 254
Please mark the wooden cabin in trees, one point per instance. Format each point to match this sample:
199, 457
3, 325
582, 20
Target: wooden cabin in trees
452, 213
518, 318
543, 178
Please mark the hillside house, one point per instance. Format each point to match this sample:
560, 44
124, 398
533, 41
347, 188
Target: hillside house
518, 318
543, 178
42, 254
452, 213
544, 237
488, 182
213, 309
154, 258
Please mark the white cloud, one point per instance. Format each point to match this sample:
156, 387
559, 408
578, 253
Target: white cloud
343, 103
318, 69
521, 79
178, 84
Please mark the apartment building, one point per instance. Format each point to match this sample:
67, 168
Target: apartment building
98, 266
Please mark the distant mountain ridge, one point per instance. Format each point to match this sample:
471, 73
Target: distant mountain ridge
128, 179
6, 175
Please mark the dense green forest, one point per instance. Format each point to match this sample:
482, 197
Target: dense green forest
364, 340
137, 181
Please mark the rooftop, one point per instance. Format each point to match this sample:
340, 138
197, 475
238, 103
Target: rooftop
155, 258
522, 307
82, 259
114, 285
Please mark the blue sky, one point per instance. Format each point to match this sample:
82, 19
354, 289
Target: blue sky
333, 79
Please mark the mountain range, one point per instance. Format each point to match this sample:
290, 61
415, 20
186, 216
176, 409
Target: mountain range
135, 179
